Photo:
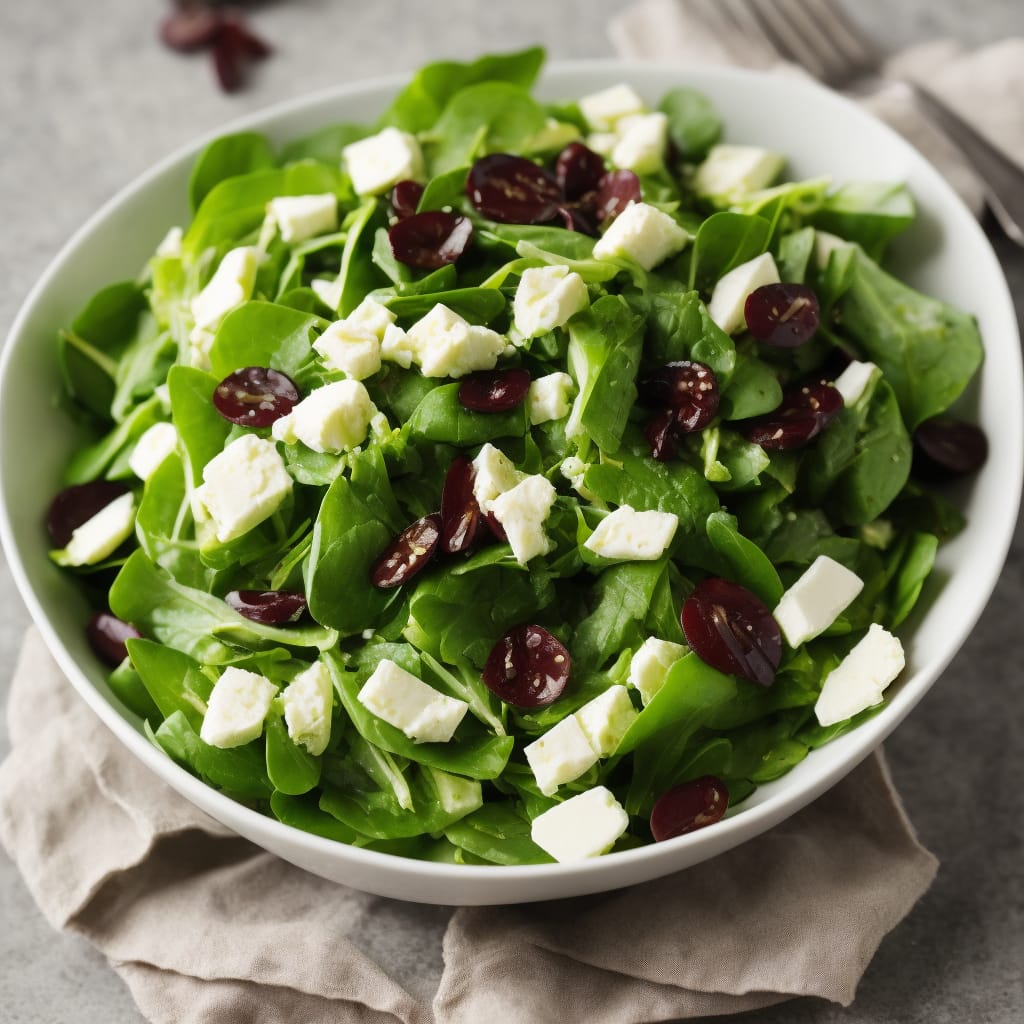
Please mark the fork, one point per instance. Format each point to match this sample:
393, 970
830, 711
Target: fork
820, 37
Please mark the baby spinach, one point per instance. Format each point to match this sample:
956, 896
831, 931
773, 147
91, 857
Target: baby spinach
694, 124
227, 157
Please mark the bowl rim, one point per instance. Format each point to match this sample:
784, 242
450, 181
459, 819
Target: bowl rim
730, 832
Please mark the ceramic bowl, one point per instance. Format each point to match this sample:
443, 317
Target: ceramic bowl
944, 253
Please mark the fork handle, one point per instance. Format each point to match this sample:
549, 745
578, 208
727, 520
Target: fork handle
1002, 177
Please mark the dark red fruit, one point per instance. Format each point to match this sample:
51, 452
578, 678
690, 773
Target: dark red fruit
804, 413
578, 170
255, 396
615, 191
271, 607
661, 435
494, 390
945, 447
732, 630
688, 807
189, 28
233, 47
782, 315
528, 667
408, 554
497, 530
76, 505
512, 190
106, 634
461, 522
430, 240
689, 388
405, 198
575, 217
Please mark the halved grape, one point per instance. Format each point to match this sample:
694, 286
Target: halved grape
661, 435
430, 240
732, 630
255, 396
107, 634
512, 190
804, 413
528, 667
688, 387
405, 198
576, 217
494, 390
688, 807
462, 524
271, 607
76, 505
408, 554
578, 170
946, 447
782, 315
615, 191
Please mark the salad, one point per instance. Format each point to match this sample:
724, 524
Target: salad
503, 482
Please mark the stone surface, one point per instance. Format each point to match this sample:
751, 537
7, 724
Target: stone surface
90, 99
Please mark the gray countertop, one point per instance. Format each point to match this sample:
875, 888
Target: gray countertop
88, 100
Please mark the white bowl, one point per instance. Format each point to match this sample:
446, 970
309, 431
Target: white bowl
945, 254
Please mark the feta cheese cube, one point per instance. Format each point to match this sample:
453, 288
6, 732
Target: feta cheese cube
649, 666
308, 700
409, 704
333, 418
641, 144
548, 398
605, 719
237, 708
350, 348
574, 469
170, 244
854, 380
152, 448
396, 347
729, 296
729, 173
231, 285
582, 827
493, 474
633, 536
301, 217
328, 292
456, 795
861, 677
603, 109
445, 345
546, 298
102, 534
372, 315
522, 511
562, 754
243, 485
642, 233
825, 244
816, 600
602, 143
382, 160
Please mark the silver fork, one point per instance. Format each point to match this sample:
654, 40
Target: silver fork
818, 35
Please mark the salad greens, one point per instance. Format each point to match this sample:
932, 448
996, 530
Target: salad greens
756, 517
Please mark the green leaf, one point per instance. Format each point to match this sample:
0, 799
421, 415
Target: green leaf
694, 124
227, 157
265, 334
477, 305
752, 390
722, 243
202, 429
748, 564
290, 768
173, 680
440, 417
915, 567
498, 834
870, 213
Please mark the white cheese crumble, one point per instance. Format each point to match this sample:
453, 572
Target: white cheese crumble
151, 449
299, 218
102, 534
634, 536
641, 233
308, 700
350, 348
332, 418
546, 298
650, 665
411, 705
522, 512
548, 397
729, 296
376, 163
816, 600
860, 679
237, 708
584, 826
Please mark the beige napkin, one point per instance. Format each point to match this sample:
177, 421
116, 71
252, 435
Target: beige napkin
204, 927
985, 86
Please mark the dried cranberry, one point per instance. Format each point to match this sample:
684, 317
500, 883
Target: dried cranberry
461, 521
408, 554
255, 396
528, 667
270, 607
78, 504
688, 807
946, 447
575, 217
578, 170
615, 191
804, 413
107, 634
782, 315
732, 630
189, 28
661, 435
688, 387
430, 240
494, 390
497, 530
512, 190
234, 45
405, 198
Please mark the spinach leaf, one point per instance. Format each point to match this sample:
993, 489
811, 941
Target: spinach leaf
109, 455
290, 768
203, 431
795, 251
723, 242
748, 564
325, 144
693, 122
915, 567
477, 305
498, 834
227, 157
303, 812
174, 681
267, 334
440, 417
870, 213
752, 390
